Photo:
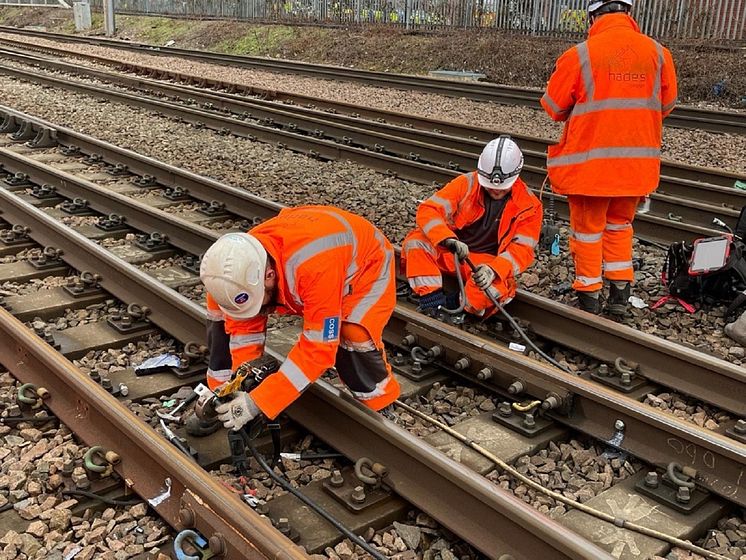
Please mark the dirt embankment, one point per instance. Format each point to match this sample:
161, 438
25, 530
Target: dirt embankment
504, 58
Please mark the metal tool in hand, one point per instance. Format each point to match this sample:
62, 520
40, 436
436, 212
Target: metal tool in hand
171, 416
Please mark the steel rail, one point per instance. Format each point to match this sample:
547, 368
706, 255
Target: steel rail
648, 433
694, 373
677, 179
455, 499
648, 226
688, 117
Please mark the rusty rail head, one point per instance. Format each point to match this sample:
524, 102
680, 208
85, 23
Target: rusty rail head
175, 487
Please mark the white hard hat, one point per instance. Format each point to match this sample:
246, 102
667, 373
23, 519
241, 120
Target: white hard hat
595, 5
233, 270
500, 164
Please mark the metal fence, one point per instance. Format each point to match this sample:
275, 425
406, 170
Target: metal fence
665, 19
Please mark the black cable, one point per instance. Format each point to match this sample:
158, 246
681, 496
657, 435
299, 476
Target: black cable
515, 325
6, 507
30, 419
314, 456
306, 500
100, 498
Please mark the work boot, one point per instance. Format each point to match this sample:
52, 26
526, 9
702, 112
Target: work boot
197, 427
737, 329
590, 301
618, 297
429, 303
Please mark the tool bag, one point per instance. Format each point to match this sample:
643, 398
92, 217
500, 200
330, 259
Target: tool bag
725, 285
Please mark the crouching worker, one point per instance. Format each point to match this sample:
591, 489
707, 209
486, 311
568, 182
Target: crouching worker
488, 215
333, 268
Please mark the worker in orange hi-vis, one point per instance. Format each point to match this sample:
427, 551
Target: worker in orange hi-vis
490, 216
613, 91
333, 268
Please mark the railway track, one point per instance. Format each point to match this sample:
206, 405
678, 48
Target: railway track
682, 117
448, 491
688, 200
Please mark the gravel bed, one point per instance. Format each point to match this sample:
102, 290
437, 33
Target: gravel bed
449, 404
728, 539
75, 317
34, 285
80, 221
20, 256
579, 470
112, 360
689, 409
57, 527
686, 146
229, 224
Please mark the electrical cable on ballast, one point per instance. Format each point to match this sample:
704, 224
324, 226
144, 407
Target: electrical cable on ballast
102, 499
502, 465
305, 499
508, 316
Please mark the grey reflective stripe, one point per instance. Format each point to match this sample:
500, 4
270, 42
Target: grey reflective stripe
586, 70
352, 346
241, 340
215, 315
313, 336
435, 222
417, 244
379, 390
556, 108
446, 204
587, 237
352, 267
516, 267
617, 265
294, 374
659, 74
670, 106
426, 282
310, 250
617, 103
379, 287
604, 153
469, 187
618, 227
220, 374
587, 280
525, 240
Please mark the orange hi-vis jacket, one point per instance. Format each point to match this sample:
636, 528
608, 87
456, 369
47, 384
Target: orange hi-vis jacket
460, 203
614, 90
332, 266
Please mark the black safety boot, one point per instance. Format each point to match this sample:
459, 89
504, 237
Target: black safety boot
429, 303
618, 297
196, 427
590, 301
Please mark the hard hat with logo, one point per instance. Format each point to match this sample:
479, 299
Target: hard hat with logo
609, 6
500, 164
232, 271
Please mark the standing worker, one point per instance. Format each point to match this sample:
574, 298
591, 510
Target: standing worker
330, 266
488, 215
614, 90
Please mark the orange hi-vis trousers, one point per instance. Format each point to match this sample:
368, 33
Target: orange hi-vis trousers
601, 239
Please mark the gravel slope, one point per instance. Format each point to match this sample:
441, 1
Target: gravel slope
700, 148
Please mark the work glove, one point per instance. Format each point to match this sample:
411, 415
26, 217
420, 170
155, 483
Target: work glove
237, 412
458, 248
483, 276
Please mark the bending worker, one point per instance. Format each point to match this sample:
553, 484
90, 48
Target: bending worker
614, 90
330, 266
488, 215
